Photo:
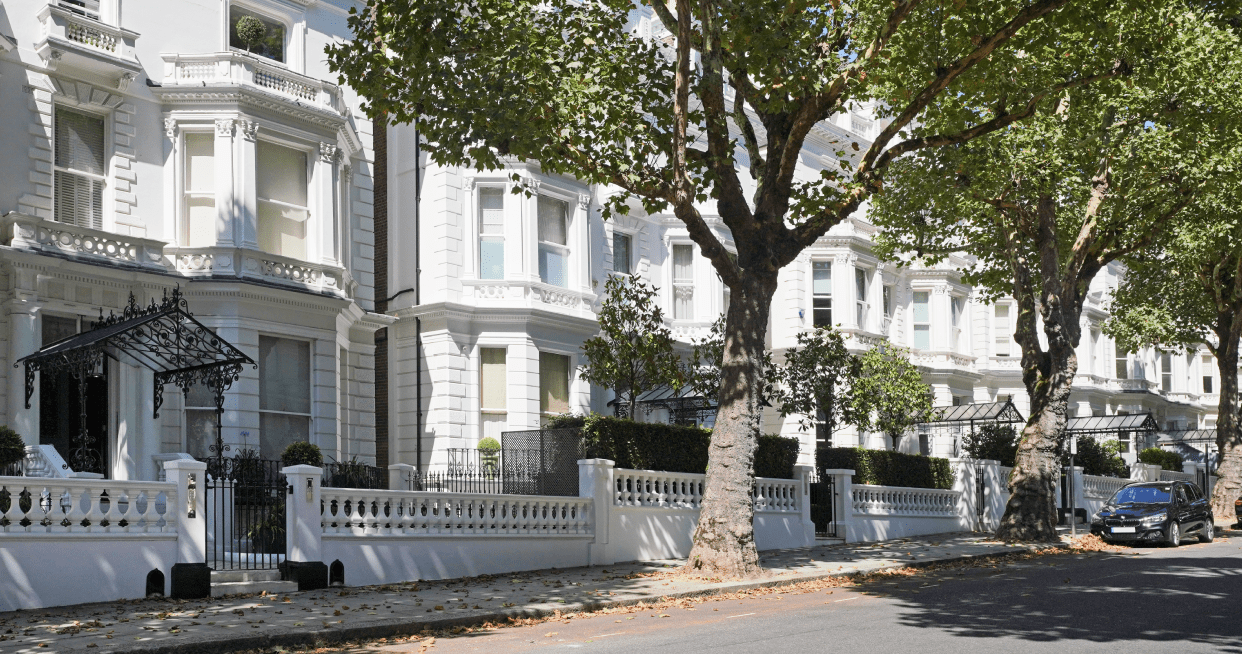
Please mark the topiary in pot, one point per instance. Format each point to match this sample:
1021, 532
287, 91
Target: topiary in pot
12, 447
489, 455
302, 453
250, 31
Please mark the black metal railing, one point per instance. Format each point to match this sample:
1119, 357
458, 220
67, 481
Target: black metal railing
15, 469
536, 462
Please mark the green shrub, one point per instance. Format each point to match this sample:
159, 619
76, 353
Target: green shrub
565, 420
776, 456
12, 447
997, 442
1165, 459
673, 448
885, 468
488, 444
1097, 458
302, 453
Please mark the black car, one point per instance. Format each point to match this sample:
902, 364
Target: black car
1155, 512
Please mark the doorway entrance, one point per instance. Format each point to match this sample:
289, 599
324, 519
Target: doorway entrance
63, 408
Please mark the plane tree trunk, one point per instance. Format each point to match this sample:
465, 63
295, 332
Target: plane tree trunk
1228, 487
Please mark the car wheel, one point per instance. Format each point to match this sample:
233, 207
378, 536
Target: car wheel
1208, 533
1175, 535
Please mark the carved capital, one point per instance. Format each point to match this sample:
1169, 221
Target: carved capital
584, 201
467, 183
122, 83
53, 59
249, 129
347, 171
328, 152
170, 128
224, 127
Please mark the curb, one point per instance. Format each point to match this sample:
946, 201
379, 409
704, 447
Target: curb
406, 627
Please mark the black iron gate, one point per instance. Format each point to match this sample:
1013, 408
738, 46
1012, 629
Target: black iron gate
245, 513
823, 507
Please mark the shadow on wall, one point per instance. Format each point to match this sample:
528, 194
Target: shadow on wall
1113, 599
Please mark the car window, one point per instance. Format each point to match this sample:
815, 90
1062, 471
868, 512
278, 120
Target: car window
1195, 493
1181, 495
1142, 495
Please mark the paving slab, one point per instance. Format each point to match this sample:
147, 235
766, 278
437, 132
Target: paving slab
339, 614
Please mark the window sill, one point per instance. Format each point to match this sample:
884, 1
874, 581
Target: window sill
525, 294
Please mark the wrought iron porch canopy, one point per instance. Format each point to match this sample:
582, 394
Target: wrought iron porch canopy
163, 337
1108, 424
1189, 436
1002, 412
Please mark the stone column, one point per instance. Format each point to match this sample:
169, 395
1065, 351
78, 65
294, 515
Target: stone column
965, 482
596, 480
24, 339
191, 578
399, 476
304, 528
803, 474
1074, 477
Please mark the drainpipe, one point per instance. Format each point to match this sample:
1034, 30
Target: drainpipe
418, 300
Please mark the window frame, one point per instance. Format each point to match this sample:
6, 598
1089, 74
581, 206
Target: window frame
307, 150
1166, 371
310, 382
183, 179
862, 299
500, 237
915, 324
566, 250
629, 252
816, 298
262, 12
105, 118
681, 285
1000, 333
569, 383
494, 411
1207, 374
957, 318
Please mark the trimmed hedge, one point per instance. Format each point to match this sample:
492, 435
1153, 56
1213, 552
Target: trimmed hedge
670, 448
885, 468
1165, 459
12, 447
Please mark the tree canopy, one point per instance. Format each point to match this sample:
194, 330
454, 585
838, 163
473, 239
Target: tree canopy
709, 114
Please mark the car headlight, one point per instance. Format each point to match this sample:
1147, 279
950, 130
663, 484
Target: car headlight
1154, 519
1097, 519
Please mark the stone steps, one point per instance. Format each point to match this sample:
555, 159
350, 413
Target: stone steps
235, 582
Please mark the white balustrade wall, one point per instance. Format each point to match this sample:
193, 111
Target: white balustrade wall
1101, 488
65, 541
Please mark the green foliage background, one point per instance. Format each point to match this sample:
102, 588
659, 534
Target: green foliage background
887, 468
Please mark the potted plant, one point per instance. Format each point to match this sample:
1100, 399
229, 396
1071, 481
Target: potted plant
250, 31
489, 457
302, 453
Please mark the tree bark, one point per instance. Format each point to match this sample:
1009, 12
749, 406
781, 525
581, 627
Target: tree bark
724, 542
1228, 432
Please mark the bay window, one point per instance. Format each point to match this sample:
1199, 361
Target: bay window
80, 168
284, 394
922, 320
491, 233
683, 282
281, 188
821, 293
553, 241
200, 190
493, 400
553, 384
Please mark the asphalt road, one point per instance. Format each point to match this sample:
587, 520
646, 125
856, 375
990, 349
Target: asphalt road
1187, 599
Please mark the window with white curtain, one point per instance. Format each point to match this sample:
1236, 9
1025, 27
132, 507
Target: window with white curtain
821, 293
553, 384
493, 396
683, 282
80, 168
200, 190
921, 319
1002, 330
861, 304
491, 233
553, 241
282, 196
284, 394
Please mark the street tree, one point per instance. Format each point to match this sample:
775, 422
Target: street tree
633, 352
815, 380
706, 361
1097, 174
1189, 294
889, 395
709, 115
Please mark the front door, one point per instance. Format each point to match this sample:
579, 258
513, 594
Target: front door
60, 407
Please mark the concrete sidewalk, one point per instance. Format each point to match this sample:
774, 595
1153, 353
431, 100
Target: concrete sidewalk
343, 614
